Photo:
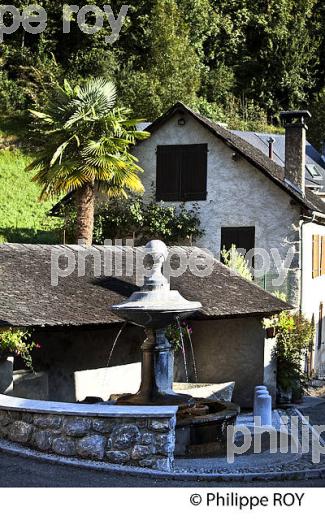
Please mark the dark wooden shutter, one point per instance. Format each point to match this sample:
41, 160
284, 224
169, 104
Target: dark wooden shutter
229, 236
168, 173
194, 172
316, 256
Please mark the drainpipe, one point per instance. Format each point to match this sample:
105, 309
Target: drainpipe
305, 220
302, 223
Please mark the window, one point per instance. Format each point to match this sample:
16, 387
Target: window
242, 237
314, 171
318, 255
182, 172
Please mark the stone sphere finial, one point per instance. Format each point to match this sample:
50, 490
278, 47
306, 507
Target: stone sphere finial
157, 249
159, 254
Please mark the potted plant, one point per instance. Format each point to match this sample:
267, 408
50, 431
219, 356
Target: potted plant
14, 343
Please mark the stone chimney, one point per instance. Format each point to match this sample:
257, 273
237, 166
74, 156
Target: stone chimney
295, 147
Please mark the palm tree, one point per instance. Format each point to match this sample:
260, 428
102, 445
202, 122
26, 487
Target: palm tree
84, 142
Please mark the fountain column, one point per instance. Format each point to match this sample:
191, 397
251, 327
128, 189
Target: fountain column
157, 368
155, 307
164, 362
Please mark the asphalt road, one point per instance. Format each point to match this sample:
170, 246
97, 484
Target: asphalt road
16, 471
316, 415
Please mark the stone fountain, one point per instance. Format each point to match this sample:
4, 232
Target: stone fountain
155, 307
201, 424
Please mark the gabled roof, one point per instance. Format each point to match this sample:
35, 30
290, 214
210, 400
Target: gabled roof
241, 145
252, 154
27, 297
313, 157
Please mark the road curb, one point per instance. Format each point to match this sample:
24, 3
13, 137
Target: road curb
15, 449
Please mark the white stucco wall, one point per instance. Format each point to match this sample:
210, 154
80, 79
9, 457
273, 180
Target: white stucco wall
313, 289
238, 194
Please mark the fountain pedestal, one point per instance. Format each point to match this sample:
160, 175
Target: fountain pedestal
156, 374
154, 307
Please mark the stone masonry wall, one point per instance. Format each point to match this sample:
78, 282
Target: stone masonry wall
144, 442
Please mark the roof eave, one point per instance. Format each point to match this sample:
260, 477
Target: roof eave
179, 107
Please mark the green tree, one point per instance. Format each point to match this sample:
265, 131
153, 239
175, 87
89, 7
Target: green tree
316, 125
294, 336
84, 142
211, 54
281, 54
172, 70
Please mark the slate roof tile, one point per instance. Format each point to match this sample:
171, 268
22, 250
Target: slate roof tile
27, 297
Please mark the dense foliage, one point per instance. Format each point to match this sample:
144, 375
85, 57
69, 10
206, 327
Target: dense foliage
239, 61
128, 218
294, 335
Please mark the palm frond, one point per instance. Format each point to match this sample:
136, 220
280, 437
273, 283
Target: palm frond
86, 139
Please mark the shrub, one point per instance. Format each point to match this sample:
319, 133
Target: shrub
178, 333
294, 335
16, 342
171, 224
235, 261
12, 96
124, 218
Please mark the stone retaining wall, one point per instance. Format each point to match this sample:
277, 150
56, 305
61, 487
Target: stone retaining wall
147, 441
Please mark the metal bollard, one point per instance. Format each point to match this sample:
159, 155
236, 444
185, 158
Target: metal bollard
257, 388
263, 407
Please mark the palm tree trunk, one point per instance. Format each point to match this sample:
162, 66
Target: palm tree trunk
85, 214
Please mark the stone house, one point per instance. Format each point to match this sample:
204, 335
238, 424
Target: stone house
71, 318
251, 192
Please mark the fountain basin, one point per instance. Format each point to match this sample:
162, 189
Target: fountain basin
124, 435
214, 391
203, 433
151, 318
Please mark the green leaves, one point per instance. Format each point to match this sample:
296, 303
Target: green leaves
237, 262
40, 115
17, 342
121, 218
295, 334
84, 138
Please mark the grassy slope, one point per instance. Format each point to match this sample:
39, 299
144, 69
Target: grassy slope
23, 218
